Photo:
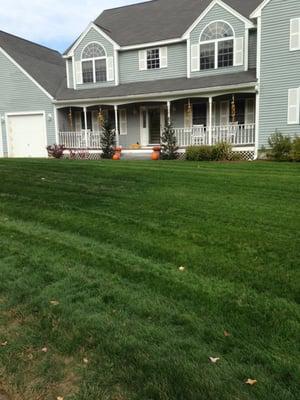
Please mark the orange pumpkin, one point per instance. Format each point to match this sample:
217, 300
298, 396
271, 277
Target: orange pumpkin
117, 157
155, 156
156, 148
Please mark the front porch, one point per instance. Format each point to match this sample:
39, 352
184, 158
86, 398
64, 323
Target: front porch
196, 121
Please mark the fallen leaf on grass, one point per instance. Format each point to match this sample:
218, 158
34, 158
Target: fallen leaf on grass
44, 350
181, 269
85, 360
3, 344
54, 302
226, 334
59, 398
251, 382
214, 360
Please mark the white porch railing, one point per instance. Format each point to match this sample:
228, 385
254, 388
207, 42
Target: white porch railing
80, 140
237, 135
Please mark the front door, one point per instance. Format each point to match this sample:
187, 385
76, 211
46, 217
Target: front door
154, 125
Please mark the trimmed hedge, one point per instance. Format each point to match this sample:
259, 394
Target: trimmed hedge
218, 152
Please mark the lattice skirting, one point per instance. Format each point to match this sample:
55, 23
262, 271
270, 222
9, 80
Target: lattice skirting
246, 155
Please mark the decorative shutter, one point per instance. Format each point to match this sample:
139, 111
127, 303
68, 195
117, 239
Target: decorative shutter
250, 111
195, 57
224, 113
295, 34
239, 51
110, 69
142, 60
78, 72
293, 106
188, 117
163, 57
123, 121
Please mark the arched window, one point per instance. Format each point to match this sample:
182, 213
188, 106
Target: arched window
216, 46
94, 65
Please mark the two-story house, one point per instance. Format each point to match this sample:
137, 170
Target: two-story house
217, 69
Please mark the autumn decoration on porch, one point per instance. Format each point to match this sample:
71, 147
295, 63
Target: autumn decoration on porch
117, 155
169, 148
155, 156
70, 119
101, 118
108, 140
233, 110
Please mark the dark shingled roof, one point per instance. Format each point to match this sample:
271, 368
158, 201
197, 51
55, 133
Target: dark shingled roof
160, 86
159, 19
46, 66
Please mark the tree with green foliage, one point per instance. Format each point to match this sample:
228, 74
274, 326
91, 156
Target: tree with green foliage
169, 148
108, 141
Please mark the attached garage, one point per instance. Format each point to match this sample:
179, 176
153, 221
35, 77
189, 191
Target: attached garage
26, 134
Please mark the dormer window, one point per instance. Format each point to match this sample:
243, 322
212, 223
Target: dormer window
217, 46
94, 63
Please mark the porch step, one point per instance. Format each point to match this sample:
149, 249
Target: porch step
136, 155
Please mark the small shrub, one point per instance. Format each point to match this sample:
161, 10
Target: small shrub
222, 152
199, 153
108, 141
56, 151
296, 150
280, 147
169, 148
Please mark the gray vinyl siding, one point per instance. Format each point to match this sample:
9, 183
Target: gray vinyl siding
215, 14
69, 66
252, 49
177, 65
280, 68
20, 94
94, 36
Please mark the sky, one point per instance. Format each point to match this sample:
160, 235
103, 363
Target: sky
53, 23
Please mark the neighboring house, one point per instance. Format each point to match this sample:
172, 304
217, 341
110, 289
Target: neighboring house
218, 70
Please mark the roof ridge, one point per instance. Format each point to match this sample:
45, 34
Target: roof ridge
31, 42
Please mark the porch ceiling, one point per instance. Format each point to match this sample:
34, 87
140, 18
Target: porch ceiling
160, 87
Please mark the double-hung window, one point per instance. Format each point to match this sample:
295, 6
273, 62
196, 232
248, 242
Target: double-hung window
217, 46
94, 64
153, 59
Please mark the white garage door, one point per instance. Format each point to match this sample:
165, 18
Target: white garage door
26, 135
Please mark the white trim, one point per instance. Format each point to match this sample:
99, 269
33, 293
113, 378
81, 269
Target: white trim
160, 43
258, 61
84, 33
257, 121
26, 73
293, 105
116, 66
246, 49
123, 120
74, 73
257, 12
12, 114
188, 43
247, 22
56, 124
171, 95
1, 138
68, 75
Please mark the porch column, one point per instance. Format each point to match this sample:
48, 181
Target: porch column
85, 126
210, 121
169, 111
117, 125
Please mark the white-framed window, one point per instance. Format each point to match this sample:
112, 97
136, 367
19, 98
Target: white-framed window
94, 63
218, 48
155, 58
295, 34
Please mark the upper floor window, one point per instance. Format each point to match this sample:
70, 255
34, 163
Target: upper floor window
217, 46
153, 59
94, 64
295, 34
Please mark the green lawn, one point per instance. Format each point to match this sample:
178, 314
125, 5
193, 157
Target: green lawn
90, 257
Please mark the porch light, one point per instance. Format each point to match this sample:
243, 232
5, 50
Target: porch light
2, 119
49, 117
